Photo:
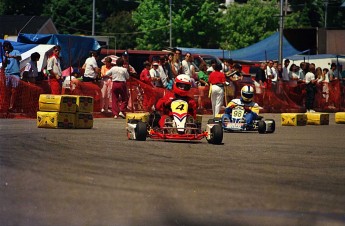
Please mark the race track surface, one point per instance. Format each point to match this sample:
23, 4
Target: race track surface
295, 176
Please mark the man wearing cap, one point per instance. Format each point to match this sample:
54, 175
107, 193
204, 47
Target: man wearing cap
155, 75
126, 64
11, 63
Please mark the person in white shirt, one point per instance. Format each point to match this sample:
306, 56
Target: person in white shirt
119, 76
91, 68
155, 75
30, 73
310, 82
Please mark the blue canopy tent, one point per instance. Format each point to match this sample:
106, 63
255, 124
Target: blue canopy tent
74, 49
21, 47
267, 49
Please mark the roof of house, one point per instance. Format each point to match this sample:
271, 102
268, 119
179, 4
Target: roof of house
15, 24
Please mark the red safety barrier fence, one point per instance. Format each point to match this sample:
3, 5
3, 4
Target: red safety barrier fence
273, 98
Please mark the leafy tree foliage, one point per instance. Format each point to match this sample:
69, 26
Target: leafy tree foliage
121, 30
21, 7
311, 13
71, 16
243, 25
194, 23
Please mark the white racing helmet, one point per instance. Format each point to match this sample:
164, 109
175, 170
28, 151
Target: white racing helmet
247, 93
182, 85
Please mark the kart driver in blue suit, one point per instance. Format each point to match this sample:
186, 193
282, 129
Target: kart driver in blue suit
251, 108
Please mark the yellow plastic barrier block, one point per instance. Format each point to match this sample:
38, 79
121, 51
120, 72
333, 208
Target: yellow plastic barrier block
293, 119
317, 118
84, 103
58, 103
83, 120
55, 120
340, 117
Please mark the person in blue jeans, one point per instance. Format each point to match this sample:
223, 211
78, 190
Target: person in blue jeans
246, 100
11, 63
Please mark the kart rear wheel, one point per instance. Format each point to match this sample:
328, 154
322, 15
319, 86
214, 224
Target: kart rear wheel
272, 125
262, 126
141, 131
216, 135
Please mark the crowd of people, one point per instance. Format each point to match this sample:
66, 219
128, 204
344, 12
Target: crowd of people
292, 75
218, 79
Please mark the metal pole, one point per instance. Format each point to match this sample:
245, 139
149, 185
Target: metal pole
281, 27
326, 6
170, 25
93, 17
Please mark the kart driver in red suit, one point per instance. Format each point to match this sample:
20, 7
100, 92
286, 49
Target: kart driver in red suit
180, 89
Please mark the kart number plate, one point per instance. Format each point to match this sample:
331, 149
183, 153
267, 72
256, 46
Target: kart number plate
236, 126
237, 113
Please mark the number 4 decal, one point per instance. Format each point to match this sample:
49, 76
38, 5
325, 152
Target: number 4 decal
180, 107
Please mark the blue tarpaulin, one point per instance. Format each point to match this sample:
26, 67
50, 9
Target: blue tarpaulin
267, 49
21, 47
74, 49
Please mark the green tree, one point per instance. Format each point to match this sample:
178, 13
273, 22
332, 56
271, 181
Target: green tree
71, 17
306, 14
21, 7
194, 23
121, 30
246, 24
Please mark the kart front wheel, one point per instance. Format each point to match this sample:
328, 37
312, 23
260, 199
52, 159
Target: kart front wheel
216, 135
262, 126
141, 131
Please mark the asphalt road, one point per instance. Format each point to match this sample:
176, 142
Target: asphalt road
295, 176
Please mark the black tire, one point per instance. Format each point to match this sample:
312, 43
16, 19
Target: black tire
141, 131
216, 135
273, 125
262, 126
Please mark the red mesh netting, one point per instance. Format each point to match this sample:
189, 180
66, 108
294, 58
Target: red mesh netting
281, 97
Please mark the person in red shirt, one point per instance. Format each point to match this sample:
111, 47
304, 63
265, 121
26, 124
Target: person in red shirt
180, 89
145, 77
217, 79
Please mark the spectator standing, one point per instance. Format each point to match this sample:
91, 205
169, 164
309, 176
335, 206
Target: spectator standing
169, 68
333, 72
119, 76
54, 70
203, 82
217, 79
212, 67
310, 88
302, 71
11, 63
130, 68
162, 71
91, 68
260, 76
325, 81
269, 70
177, 65
285, 74
30, 73
145, 77
106, 84
155, 76
186, 65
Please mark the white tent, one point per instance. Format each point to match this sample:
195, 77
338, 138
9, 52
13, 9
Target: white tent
43, 50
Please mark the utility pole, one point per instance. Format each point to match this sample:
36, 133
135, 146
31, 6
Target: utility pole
281, 28
93, 17
170, 25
